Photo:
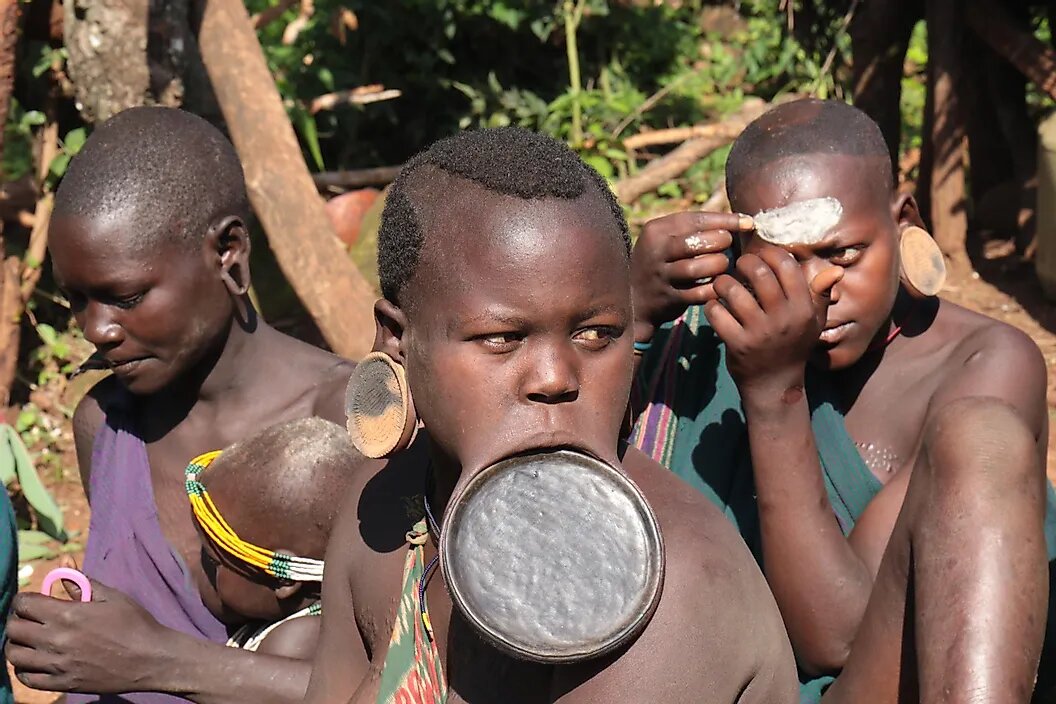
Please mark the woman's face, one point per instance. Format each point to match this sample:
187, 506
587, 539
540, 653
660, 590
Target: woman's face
517, 331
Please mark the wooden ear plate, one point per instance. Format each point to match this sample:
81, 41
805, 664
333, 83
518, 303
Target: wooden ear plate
377, 406
923, 266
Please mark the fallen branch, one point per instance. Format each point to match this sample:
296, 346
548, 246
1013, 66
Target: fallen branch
675, 163
722, 130
358, 178
356, 96
648, 104
33, 263
286, 201
1015, 44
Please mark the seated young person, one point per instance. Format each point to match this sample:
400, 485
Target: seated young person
265, 507
149, 242
504, 262
879, 449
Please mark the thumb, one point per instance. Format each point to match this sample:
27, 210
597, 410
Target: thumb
821, 285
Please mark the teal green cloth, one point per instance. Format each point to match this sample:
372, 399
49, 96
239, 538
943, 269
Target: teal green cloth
9, 583
694, 425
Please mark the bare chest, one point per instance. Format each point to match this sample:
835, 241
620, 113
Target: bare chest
886, 419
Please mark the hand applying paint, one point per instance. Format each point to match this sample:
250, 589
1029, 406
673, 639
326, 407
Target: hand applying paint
674, 263
772, 321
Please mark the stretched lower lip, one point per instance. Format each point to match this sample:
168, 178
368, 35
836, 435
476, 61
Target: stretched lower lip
833, 335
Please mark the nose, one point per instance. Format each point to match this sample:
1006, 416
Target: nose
552, 376
99, 327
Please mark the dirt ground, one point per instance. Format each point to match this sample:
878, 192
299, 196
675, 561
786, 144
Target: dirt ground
1004, 288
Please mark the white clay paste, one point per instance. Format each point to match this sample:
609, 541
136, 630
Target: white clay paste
803, 223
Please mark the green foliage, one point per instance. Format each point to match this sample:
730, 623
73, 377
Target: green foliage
16, 466
18, 141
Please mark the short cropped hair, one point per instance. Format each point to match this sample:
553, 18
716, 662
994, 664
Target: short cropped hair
509, 161
803, 128
170, 172
293, 475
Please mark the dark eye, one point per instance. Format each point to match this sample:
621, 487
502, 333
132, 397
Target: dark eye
127, 302
845, 256
500, 342
596, 337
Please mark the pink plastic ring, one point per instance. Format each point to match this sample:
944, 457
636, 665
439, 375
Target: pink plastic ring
74, 576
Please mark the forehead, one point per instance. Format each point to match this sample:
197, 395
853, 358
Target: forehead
857, 182
105, 249
481, 248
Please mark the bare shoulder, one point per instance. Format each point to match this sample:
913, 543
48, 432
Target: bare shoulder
323, 375
994, 359
717, 628
88, 418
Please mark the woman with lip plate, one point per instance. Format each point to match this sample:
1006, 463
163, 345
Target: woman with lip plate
149, 242
880, 448
504, 265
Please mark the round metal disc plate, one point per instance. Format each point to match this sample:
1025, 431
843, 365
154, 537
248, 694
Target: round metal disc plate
553, 557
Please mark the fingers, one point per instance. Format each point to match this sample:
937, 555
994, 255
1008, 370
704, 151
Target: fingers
823, 282
698, 221
722, 322
695, 244
763, 282
737, 300
788, 272
30, 660
36, 607
689, 271
25, 632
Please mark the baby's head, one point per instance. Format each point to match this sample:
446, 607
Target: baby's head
148, 241
821, 174
265, 508
504, 262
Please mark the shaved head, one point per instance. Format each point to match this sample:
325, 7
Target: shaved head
166, 174
803, 130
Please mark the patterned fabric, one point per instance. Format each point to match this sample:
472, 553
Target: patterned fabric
250, 636
412, 673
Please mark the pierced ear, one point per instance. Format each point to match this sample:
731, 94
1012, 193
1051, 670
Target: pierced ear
906, 212
229, 238
391, 323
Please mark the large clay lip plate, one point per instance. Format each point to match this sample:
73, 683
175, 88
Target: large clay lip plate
460, 577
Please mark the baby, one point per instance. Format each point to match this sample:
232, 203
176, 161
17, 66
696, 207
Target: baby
265, 507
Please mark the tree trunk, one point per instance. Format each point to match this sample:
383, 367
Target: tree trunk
10, 303
880, 33
949, 217
280, 187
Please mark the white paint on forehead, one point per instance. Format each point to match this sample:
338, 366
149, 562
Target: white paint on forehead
803, 223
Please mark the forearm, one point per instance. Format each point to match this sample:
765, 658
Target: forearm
820, 584
214, 674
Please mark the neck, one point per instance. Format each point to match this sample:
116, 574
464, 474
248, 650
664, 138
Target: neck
228, 366
442, 477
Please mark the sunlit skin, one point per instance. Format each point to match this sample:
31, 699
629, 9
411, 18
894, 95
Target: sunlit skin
956, 399
510, 345
173, 321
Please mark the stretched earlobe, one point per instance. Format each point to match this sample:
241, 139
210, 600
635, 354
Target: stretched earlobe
923, 268
229, 238
380, 412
